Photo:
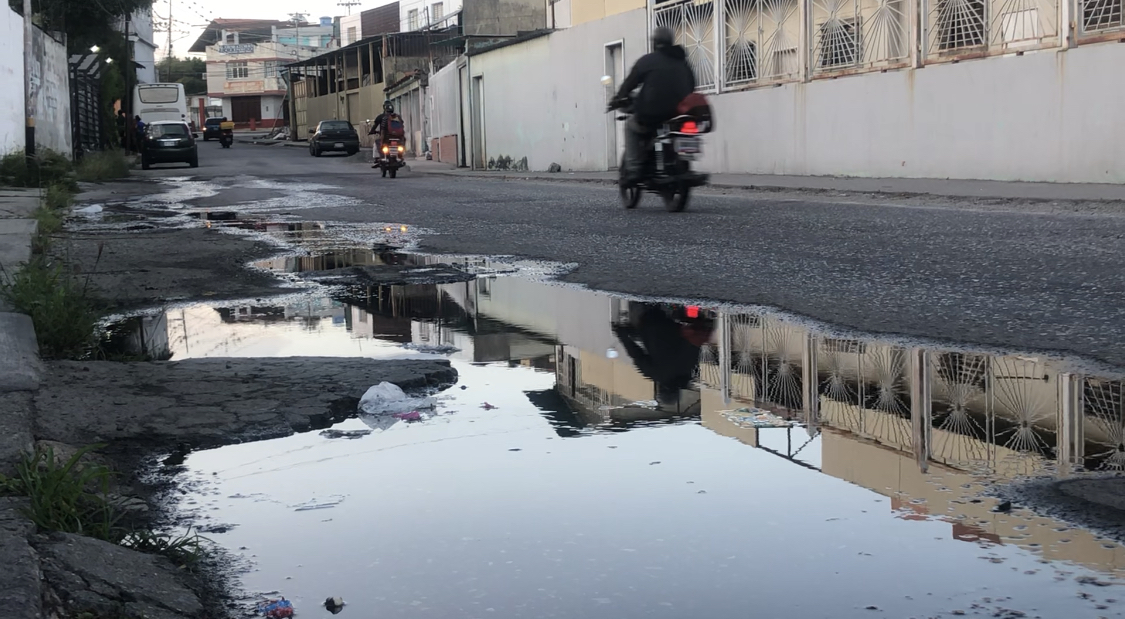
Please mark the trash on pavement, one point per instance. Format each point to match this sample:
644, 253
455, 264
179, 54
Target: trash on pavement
388, 399
334, 605
486, 406
276, 609
411, 416
93, 209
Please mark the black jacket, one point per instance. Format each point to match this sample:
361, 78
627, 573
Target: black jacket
665, 78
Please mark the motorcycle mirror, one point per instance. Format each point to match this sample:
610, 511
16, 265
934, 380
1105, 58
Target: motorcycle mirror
606, 80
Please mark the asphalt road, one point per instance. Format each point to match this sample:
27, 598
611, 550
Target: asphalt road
1003, 278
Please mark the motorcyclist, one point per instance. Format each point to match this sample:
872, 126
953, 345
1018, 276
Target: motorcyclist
664, 349
379, 129
665, 79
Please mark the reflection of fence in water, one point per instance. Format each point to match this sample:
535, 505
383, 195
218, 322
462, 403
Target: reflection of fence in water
1104, 407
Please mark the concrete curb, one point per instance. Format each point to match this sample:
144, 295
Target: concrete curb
20, 367
778, 188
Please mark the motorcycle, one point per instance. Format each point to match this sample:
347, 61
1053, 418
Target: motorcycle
667, 167
391, 159
226, 134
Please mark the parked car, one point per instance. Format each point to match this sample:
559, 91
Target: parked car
169, 141
212, 128
333, 135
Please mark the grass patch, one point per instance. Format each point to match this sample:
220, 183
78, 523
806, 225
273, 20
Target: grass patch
99, 167
65, 496
58, 197
71, 497
59, 303
49, 168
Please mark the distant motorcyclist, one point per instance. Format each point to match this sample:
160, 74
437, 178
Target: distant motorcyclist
665, 79
379, 130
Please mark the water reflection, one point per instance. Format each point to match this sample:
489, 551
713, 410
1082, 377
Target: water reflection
925, 427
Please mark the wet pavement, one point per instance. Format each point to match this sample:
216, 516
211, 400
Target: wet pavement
821, 474
610, 456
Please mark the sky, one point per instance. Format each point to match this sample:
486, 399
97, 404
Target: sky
189, 17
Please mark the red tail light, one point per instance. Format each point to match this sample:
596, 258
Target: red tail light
689, 127
692, 311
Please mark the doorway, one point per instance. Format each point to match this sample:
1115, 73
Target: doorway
479, 161
615, 131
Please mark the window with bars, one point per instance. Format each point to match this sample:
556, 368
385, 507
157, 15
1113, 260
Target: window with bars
437, 11
412, 19
960, 24
238, 70
271, 67
351, 35
742, 62
1101, 15
839, 43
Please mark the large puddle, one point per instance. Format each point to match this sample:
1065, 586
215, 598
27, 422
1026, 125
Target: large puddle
770, 470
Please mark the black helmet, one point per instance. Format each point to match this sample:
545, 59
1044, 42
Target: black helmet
663, 37
388, 106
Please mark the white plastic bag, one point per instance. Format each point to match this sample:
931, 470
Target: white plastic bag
389, 399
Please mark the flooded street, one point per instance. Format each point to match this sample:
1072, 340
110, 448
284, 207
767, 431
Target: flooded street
777, 469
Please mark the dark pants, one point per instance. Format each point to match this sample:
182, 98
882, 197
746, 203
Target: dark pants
637, 137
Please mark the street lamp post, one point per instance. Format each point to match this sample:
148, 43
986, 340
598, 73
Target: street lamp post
28, 90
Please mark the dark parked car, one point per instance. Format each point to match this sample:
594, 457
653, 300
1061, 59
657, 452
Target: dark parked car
211, 128
333, 135
169, 141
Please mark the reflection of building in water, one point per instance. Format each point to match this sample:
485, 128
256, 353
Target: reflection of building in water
1008, 413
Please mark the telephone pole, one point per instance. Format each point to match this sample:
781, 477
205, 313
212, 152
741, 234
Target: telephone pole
169, 33
348, 4
298, 18
28, 89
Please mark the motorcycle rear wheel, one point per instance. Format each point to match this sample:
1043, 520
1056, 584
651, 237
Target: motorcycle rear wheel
676, 200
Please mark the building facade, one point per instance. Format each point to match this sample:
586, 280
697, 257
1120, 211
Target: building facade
420, 14
908, 89
143, 41
248, 80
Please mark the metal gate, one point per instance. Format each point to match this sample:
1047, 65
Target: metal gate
86, 105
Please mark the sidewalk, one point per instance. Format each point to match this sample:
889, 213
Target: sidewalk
894, 186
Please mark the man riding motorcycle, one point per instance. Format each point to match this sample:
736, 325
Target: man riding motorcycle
665, 79
379, 130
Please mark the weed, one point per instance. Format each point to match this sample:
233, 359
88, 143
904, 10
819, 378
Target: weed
59, 197
50, 221
185, 549
65, 497
60, 307
49, 168
103, 166
72, 497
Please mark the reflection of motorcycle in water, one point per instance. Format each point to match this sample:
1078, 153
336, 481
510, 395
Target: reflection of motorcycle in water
664, 342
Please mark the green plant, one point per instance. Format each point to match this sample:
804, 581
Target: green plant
72, 497
49, 168
66, 497
103, 166
59, 197
183, 549
60, 306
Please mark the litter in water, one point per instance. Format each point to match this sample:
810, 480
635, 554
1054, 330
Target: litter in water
334, 605
389, 399
276, 609
755, 417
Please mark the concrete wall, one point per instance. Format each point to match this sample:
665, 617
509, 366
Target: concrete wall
503, 17
11, 73
52, 97
443, 99
582, 11
348, 22
543, 99
1046, 116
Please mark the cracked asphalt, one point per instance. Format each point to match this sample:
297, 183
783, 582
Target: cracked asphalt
1041, 278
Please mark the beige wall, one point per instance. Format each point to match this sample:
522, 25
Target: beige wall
582, 11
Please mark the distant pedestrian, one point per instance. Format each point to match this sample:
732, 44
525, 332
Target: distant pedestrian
122, 129
139, 133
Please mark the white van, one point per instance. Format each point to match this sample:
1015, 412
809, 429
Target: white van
156, 102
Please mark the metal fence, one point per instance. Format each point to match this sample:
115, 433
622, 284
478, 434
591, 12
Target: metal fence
736, 44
